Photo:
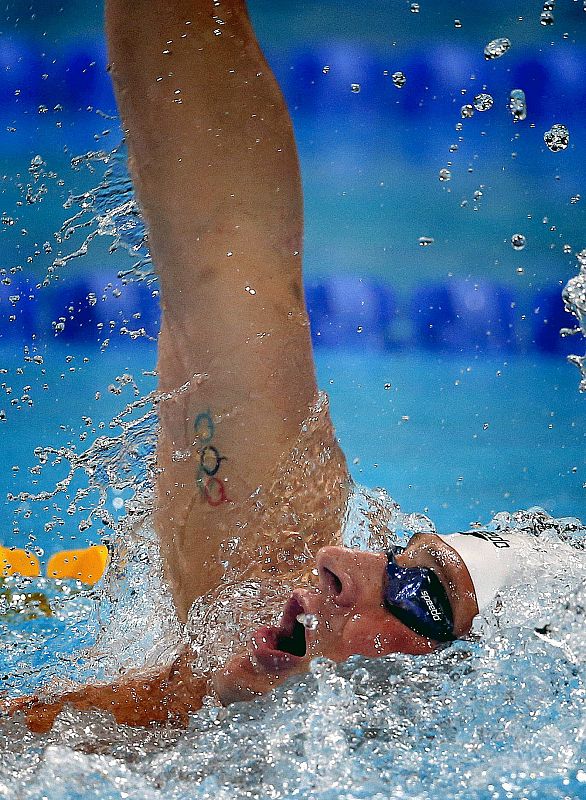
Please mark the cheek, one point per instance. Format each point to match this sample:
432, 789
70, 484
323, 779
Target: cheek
378, 634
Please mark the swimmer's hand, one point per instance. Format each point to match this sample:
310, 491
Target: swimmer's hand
169, 695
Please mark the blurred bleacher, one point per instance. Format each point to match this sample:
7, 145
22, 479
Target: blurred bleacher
471, 312
458, 316
553, 79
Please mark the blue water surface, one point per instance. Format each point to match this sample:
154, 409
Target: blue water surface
458, 437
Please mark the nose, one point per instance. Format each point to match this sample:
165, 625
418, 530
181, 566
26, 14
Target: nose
348, 576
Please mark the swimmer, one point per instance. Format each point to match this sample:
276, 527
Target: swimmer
252, 482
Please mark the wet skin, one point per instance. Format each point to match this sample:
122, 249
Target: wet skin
351, 617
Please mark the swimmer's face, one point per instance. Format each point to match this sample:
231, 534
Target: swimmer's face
345, 614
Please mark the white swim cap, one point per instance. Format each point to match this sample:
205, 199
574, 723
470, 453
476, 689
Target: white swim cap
492, 559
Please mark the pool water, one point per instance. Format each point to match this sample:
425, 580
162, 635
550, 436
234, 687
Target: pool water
500, 715
458, 437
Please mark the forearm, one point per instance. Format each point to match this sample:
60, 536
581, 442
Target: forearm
211, 148
169, 695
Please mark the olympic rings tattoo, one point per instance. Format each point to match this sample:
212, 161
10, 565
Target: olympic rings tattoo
212, 489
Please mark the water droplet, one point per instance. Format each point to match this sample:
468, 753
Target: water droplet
360, 678
355, 87
518, 241
496, 48
557, 138
546, 17
309, 621
467, 111
444, 175
483, 101
415, 8
518, 105
425, 241
399, 79
322, 668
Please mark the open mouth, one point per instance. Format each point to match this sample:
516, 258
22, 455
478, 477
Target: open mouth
281, 648
293, 643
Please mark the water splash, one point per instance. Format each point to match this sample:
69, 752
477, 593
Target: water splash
374, 521
109, 209
574, 296
500, 713
109, 464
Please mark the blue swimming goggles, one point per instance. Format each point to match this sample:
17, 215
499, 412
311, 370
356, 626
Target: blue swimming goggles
417, 598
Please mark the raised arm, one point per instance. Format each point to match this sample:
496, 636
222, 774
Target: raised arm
215, 168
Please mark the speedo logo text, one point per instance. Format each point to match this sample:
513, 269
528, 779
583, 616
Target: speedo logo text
429, 603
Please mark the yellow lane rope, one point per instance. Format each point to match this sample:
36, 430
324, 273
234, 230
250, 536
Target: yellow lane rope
86, 564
